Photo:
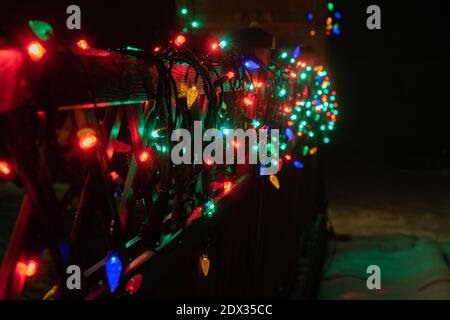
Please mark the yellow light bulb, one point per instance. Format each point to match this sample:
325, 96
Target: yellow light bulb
204, 264
274, 180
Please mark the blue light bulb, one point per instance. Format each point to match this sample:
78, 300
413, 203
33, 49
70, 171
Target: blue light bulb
298, 164
296, 53
251, 65
262, 170
289, 134
113, 271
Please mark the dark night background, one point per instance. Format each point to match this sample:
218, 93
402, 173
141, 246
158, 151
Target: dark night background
392, 82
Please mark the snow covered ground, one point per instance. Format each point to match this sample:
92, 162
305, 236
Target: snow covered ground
396, 219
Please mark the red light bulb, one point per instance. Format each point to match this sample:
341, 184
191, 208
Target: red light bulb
28, 269
257, 84
134, 284
180, 40
31, 268
114, 176
5, 169
214, 46
144, 156
88, 142
86, 139
36, 51
20, 268
83, 44
247, 101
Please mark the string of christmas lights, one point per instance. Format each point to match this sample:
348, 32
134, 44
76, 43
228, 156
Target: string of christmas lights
128, 149
332, 24
330, 27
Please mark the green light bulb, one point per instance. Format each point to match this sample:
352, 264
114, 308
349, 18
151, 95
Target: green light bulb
194, 24
256, 123
130, 48
305, 151
41, 29
155, 134
210, 208
184, 11
223, 44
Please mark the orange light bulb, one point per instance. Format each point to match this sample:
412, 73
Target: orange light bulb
227, 186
